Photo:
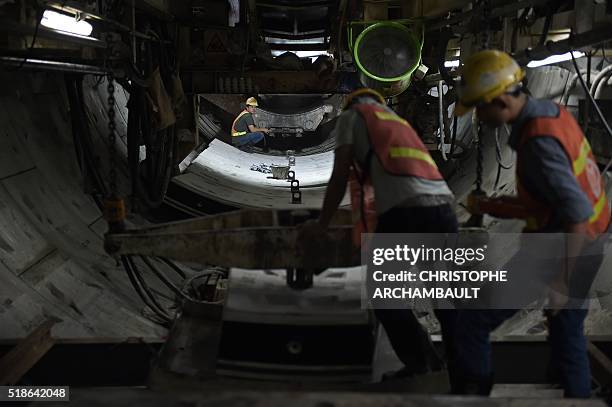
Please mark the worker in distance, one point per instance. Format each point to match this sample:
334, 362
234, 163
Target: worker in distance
244, 131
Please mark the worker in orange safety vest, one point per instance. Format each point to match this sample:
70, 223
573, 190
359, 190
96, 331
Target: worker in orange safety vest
559, 190
380, 155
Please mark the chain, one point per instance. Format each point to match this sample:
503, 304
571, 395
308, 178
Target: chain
112, 138
112, 162
114, 208
485, 37
486, 15
479, 159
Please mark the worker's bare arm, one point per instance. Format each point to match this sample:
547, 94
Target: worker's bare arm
577, 238
254, 129
337, 183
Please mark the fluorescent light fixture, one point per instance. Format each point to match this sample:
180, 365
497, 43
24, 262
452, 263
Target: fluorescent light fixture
553, 59
452, 64
63, 22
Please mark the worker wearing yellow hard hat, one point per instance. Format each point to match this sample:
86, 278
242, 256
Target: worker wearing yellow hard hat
244, 131
485, 76
559, 190
395, 187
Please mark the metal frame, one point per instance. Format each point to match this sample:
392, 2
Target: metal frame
251, 239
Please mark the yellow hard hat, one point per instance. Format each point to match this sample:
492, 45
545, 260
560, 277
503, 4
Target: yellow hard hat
484, 76
252, 102
362, 92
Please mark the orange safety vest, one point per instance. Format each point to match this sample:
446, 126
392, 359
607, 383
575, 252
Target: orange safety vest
238, 133
399, 150
568, 133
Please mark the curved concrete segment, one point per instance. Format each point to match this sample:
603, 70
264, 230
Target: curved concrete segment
223, 173
51, 258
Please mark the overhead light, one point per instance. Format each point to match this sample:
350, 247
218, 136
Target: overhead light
451, 64
63, 22
553, 59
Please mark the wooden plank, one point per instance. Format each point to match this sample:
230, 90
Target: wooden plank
601, 365
26, 354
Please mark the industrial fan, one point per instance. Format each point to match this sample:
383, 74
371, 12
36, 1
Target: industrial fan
386, 54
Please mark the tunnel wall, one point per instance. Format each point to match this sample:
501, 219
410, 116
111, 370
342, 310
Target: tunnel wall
51, 258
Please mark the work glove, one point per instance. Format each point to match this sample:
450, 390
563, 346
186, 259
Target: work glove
474, 203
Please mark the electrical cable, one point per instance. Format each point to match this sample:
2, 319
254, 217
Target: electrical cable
160, 313
165, 279
603, 53
498, 157
173, 266
597, 109
39, 16
145, 287
498, 153
547, 22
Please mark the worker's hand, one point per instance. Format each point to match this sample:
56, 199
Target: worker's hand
266, 130
557, 296
473, 204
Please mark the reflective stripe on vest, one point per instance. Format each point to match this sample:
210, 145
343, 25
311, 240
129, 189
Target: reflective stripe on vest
580, 163
238, 133
566, 131
397, 146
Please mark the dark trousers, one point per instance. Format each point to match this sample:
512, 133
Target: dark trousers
248, 139
565, 336
409, 339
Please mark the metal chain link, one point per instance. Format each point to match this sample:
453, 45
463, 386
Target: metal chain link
485, 37
112, 162
112, 159
486, 34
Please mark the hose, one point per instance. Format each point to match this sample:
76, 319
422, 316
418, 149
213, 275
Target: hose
598, 78
602, 83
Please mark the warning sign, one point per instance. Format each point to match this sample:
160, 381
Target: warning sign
215, 42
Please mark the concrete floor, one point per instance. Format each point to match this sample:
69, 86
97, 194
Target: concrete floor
136, 397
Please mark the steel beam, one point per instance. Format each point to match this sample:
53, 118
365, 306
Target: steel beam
280, 82
499, 9
46, 65
589, 38
249, 248
252, 239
